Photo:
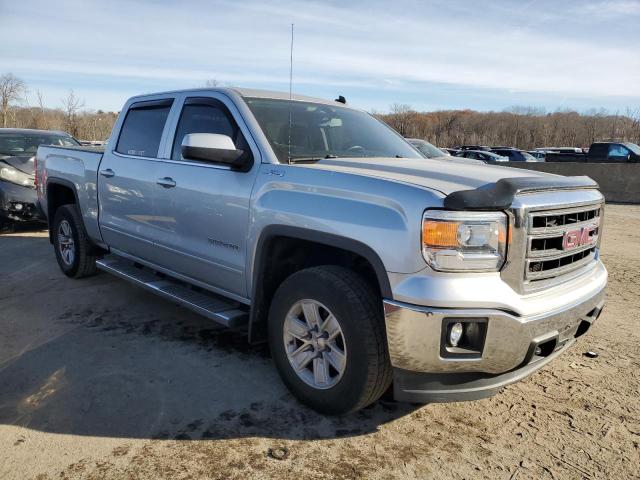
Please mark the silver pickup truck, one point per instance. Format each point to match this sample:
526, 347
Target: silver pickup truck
317, 228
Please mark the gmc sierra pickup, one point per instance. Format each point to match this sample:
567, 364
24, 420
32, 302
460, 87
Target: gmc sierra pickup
319, 229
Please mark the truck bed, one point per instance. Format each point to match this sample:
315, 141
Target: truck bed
77, 166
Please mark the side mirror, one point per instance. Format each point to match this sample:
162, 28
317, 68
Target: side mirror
212, 147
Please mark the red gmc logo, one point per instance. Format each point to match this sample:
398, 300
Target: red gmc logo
576, 238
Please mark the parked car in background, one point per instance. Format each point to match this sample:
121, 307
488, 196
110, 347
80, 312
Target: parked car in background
560, 150
18, 147
513, 154
474, 147
482, 155
360, 262
426, 149
600, 152
451, 151
92, 143
537, 154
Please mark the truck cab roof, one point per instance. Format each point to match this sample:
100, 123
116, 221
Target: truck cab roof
245, 93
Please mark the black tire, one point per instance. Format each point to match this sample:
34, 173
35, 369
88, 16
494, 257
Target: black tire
351, 300
83, 262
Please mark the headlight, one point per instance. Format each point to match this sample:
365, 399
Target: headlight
14, 175
464, 241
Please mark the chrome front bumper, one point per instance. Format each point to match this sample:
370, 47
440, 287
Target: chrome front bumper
414, 335
421, 374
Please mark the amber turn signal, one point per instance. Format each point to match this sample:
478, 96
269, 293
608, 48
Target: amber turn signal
440, 234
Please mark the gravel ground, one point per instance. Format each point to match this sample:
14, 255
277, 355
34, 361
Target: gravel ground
100, 380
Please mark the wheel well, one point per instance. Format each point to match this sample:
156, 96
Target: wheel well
281, 256
57, 195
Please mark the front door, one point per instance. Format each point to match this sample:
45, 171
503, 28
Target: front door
127, 181
205, 206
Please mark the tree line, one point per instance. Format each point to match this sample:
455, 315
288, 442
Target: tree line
522, 127
70, 116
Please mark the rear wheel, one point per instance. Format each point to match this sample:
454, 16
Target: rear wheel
327, 338
72, 246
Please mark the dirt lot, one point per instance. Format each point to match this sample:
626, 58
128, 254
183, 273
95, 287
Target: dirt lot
101, 380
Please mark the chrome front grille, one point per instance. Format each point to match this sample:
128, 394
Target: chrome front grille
536, 256
560, 241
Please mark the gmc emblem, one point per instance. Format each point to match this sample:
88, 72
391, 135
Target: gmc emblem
576, 238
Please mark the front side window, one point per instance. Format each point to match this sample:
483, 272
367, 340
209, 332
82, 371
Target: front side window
206, 115
142, 128
299, 131
618, 152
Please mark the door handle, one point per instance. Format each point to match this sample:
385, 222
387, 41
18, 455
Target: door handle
166, 182
107, 173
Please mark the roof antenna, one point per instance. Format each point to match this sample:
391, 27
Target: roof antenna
341, 99
290, 93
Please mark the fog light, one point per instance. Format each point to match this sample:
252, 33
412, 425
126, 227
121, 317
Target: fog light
455, 334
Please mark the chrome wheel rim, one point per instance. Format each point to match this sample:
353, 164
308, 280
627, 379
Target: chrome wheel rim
315, 344
66, 245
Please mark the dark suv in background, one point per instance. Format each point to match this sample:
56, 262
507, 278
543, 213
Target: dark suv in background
18, 148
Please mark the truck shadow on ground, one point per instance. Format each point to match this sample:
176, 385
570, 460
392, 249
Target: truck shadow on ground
123, 363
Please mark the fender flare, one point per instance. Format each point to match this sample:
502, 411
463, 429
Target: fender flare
256, 331
329, 239
62, 182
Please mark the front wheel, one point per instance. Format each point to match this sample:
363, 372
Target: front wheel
327, 339
72, 246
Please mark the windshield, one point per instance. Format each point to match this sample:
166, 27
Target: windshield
23, 144
426, 148
320, 131
528, 157
633, 147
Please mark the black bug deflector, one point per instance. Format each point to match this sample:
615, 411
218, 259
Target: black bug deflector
499, 195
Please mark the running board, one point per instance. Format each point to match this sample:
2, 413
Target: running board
217, 308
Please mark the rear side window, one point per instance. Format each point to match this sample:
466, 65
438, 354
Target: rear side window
142, 128
206, 115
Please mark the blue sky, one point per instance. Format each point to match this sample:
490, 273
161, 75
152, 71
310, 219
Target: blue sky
484, 55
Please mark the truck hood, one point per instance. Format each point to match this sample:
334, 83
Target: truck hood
442, 174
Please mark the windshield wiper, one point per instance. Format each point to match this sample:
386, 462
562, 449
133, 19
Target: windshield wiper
312, 159
304, 159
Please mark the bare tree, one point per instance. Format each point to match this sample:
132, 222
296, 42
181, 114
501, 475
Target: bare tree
71, 106
402, 118
11, 90
212, 83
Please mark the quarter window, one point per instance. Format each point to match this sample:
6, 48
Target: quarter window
206, 115
142, 128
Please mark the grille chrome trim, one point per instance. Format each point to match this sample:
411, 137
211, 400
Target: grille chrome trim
553, 253
556, 272
536, 261
522, 232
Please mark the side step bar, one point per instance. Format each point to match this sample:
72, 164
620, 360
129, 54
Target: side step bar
217, 308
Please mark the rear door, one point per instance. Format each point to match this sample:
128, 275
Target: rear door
205, 206
598, 152
127, 180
